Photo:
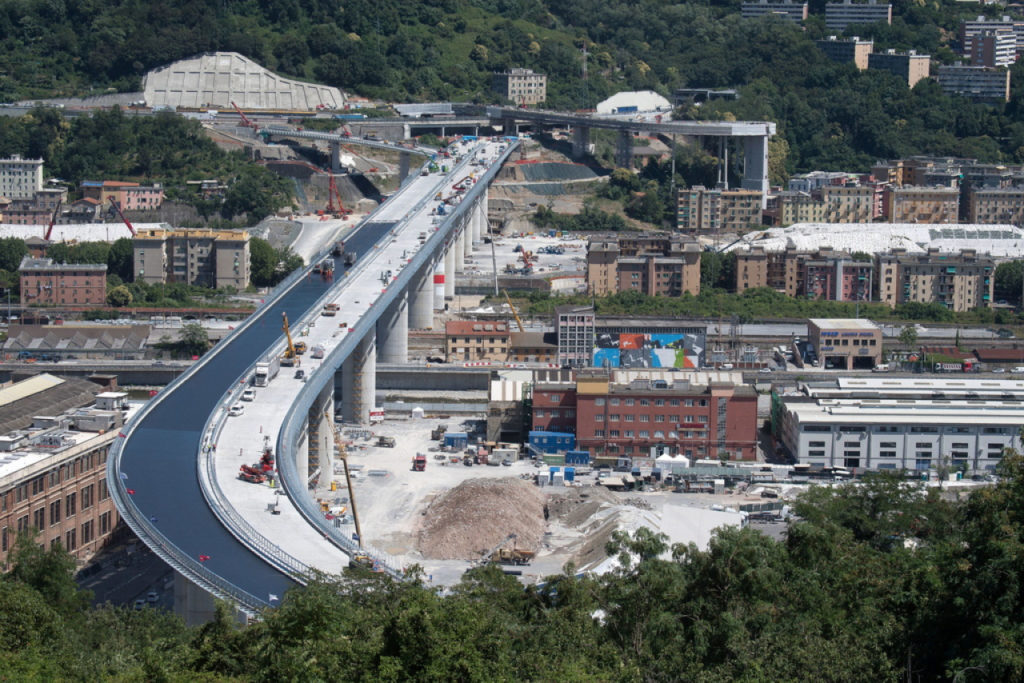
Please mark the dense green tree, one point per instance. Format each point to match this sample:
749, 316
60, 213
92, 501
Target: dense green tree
1008, 280
12, 251
119, 296
120, 259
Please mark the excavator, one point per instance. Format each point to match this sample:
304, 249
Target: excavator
290, 357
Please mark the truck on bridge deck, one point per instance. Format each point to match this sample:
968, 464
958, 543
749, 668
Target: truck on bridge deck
266, 371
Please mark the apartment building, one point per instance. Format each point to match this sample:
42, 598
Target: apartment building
654, 265
473, 340
46, 283
918, 204
847, 50
795, 207
129, 196
20, 178
790, 11
635, 413
970, 29
841, 15
851, 203
824, 274
53, 473
996, 205
960, 282
574, 326
993, 47
900, 423
521, 86
211, 258
979, 83
700, 210
909, 66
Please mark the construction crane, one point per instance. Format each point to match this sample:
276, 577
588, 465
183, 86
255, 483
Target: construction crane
117, 208
514, 312
497, 546
53, 219
246, 123
332, 193
343, 455
290, 357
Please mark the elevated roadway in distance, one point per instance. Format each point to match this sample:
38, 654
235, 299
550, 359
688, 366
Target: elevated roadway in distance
156, 472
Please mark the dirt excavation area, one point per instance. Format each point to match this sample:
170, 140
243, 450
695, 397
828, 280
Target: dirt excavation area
451, 517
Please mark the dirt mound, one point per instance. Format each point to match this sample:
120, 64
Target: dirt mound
476, 515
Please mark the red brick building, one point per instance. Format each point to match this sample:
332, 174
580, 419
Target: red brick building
621, 413
44, 282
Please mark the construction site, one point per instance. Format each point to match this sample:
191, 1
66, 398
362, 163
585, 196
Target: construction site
423, 502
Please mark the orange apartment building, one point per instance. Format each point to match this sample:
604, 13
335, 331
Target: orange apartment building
655, 265
44, 282
474, 340
916, 204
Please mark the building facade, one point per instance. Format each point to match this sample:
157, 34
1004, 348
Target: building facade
129, 196
20, 178
909, 66
919, 204
969, 29
635, 413
211, 258
472, 340
847, 50
824, 274
44, 283
899, 424
958, 281
980, 83
996, 205
846, 343
521, 86
574, 326
790, 11
700, 210
993, 47
840, 15
655, 265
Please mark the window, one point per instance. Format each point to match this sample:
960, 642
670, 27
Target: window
555, 413
88, 531
644, 434
629, 433
598, 401
817, 428
54, 477
674, 402
886, 454
689, 419
614, 433
630, 418
688, 403
659, 435
22, 524
39, 518
659, 418
816, 444
597, 418
69, 505
659, 402
104, 523
538, 413
598, 433
645, 418
614, 417
630, 402
55, 512
87, 494
702, 418
921, 429
71, 540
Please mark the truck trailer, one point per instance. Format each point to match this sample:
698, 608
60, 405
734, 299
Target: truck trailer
266, 371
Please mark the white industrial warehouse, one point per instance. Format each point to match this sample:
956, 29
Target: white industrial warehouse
876, 238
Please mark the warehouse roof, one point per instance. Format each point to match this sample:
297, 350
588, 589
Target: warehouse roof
43, 395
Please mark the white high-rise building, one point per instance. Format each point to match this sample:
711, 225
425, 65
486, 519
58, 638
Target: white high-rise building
20, 178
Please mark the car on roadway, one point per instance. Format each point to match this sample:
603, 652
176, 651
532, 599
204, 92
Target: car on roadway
249, 395
152, 597
139, 604
300, 374
236, 410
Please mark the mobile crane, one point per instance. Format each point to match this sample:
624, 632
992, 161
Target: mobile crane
246, 123
290, 357
333, 194
117, 208
515, 313
53, 219
343, 455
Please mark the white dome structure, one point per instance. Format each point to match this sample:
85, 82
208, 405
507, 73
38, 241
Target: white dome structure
633, 102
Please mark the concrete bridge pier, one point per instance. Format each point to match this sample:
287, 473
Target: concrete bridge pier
755, 166
580, 141
467, 234
393, 332
509, 127
359, 381
403, 166
459, 247
421, 301
439, 283
449, 269
319, 422
624, 149
336, 157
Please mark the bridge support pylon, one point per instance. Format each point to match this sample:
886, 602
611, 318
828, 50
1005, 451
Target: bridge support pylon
467, 235
624, 149
580, 141
440, 278
336, 157
393, 332
403, 166
459, 249
320, 439
421, 301
755, 166
359, 381
449, 268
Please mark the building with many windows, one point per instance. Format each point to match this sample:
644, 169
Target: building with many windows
919, 204
46, 283
996, 205
574, 326
969, 29
980, 83
846, 343
993, 47
53, 473
789, 10
841, 15
871, 423
958, 281
129, 196
20, 178
822, 274
476, 340
700, 210
909, 66
211, 258
657, 265
521, 86
847, 50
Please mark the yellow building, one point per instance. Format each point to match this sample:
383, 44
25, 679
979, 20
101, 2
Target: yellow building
958, 281
915, 204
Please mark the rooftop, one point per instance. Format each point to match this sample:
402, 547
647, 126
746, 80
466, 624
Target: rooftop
475, 327
843, 324
29, 263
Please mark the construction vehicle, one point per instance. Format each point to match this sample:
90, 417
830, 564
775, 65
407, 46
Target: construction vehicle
438, 433
53, 219
317, 352
246, 123
338, 249
326, 269
333, 195
117, 208
512, 556
251, 475
290, 358
515, 313
330, 310
300, 348
266, 371
419, 462
386, 441
343, 456
350, 258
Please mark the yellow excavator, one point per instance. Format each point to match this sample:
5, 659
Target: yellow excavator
290, 357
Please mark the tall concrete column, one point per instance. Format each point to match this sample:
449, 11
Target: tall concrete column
485, 214
580, 141
624, 149
403, 166
449, 270
393, 332
439, 280
755, 166
421, 304
335, 157
481, 220
320, 441
467, 232
460, 250
509, 127
359, 381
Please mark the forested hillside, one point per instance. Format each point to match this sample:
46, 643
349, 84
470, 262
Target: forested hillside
831, 115
879, 582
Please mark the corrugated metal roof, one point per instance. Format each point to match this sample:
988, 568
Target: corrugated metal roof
28, 387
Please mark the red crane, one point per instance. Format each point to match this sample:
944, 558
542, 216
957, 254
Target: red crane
332, 193
117, 208
246, 123
53, 219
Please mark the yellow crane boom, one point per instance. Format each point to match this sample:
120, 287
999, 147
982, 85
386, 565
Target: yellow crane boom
514, 312
343, 454
290, 352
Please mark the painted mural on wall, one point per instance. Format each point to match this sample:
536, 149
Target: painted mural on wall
654, 350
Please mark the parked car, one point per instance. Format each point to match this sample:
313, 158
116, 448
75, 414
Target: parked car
249, 395
300, 374
236, 410
152, 597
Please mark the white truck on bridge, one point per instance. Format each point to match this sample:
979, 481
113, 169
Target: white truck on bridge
266, 371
